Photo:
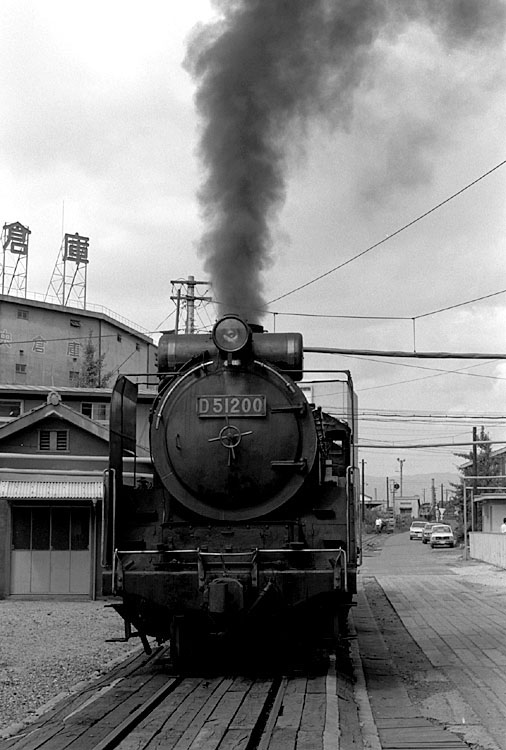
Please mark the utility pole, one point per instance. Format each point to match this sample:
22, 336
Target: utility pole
388, 493
363, 490
401, 461
184, 295
475, 472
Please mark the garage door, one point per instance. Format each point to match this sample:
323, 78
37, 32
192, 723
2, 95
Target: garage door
50, 551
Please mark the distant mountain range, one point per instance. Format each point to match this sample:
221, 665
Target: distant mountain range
414, 484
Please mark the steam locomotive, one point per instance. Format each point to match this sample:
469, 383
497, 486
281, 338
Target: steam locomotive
248, 533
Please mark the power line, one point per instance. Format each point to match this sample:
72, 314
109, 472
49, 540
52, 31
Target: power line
459, 304
390, 236
333, 316
64, 338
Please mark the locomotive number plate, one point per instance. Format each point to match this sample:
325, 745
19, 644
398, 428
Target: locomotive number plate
231, 406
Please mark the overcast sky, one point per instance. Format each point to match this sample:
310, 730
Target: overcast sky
99, 135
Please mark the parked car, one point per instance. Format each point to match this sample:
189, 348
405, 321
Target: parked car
427, 530
442, 536
415, 530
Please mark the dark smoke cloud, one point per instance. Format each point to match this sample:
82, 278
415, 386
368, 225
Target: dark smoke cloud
262, 70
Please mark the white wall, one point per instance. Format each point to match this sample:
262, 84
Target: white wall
488, 547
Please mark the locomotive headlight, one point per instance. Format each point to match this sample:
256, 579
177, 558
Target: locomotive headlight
231, 334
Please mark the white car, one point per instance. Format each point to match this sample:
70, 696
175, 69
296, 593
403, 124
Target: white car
415, 530
442, 536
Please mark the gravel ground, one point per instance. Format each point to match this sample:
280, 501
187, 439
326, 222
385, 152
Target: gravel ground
47, 648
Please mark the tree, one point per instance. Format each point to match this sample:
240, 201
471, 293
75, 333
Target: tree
486, 466
91, 375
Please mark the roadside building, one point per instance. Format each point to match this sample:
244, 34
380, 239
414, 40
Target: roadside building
406, 507
493, 510
52, 463
54, 440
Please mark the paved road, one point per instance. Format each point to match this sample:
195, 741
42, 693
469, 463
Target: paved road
448, 638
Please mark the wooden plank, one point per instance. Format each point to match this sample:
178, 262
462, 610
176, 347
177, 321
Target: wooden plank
60, 733
235, 739
209, 736
310, 740
215, 729
185, 715
296, 685
152, 725
283, 739
313, 715
144, 709
249, 711
316, 684
202, 715
291, 713
228, 706
102, 723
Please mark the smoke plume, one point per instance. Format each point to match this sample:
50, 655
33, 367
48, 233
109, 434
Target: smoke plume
262, 70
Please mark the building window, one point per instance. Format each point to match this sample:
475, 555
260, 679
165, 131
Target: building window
118, 337
23, 314
75, 323
20, 369
98, 412
53, 440
74, 377
87, 409
73, 348
10, 409
138, 346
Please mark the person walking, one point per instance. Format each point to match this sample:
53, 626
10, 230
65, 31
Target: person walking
503, 526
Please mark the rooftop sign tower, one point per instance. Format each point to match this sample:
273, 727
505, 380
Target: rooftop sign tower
68, 282
14, 259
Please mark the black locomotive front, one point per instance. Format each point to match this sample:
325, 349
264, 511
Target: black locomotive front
246, 529
232, 438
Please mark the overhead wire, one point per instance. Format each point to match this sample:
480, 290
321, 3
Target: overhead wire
389, 236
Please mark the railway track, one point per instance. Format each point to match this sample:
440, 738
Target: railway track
149, 708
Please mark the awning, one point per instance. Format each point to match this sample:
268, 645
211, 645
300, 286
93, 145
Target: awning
23, 490
499, 497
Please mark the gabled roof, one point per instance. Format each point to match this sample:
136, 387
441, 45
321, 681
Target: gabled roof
60, 411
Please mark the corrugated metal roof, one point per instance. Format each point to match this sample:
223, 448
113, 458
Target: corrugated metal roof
21, 490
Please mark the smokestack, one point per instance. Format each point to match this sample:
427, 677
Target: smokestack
262, 70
